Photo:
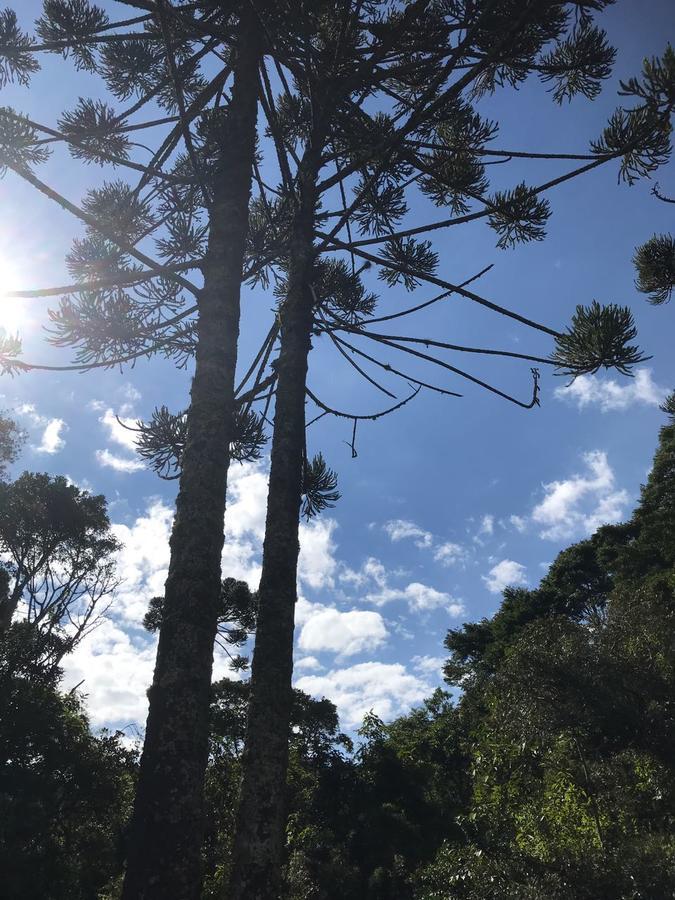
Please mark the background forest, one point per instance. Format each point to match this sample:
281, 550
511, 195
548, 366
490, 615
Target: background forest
550, 775
379, 276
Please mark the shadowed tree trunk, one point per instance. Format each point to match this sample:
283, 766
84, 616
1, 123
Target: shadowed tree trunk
165, 842
259, 838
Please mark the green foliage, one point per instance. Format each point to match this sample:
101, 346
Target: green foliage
339, 292
578, 64
654, 263
16, 61
458, 177
319, 487
668, 405
382, 207
95, 130
641, 134
161, 441
569, 722
68, 24
237, 610
18, 147
598, 338
11, 441
65, 794
518, 216
59, 552
318, 773
409, 258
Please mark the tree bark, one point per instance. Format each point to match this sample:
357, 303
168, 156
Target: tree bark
165, 841
260, 831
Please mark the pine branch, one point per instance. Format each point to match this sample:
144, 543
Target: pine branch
454, 288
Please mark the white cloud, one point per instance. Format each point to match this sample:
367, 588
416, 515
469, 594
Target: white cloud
401, 529
385, 688
519, 523
371, 570
419, 597
118, 463
608, 394
449, 554
504, 574
487, 525
582, 503
344, 633
246, 500
130, 394
115, 671
117, 432
143, 561
245, 522
428, 665
310, 663
317, 563
305, 609
52, 441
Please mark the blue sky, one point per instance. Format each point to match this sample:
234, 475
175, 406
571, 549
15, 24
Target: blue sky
449, 499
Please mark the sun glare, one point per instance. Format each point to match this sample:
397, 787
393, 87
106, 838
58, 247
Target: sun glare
13, 311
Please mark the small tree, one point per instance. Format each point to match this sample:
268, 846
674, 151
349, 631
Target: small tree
65, 793
60, 558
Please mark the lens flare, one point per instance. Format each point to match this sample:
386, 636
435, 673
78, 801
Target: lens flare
13, 310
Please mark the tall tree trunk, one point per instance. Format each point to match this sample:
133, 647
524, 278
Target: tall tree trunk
8, 602
165, 841
261, 819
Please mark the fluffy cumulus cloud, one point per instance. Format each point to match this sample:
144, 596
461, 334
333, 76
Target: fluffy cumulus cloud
402, 529
487, 525
519, 523
608, 394
143, 561
118, 432
449, 554
387, 689
113, 670
52, 440
51, 429
419, 597
307, 663
317, 563
580, 504
245, 522
342, 633
429, 666
119, 429
113, 664
372, 570
123, 464
506, 573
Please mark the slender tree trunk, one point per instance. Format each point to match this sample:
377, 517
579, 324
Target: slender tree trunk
8, 603
165, 841
261, 819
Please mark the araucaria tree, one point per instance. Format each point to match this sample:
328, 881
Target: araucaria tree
188, 208
363, 105
429, 138
59, 559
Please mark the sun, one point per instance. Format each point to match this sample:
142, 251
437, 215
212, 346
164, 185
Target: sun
13, 311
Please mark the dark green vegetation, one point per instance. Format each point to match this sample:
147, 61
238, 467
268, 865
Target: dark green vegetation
65, 794
551, 776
